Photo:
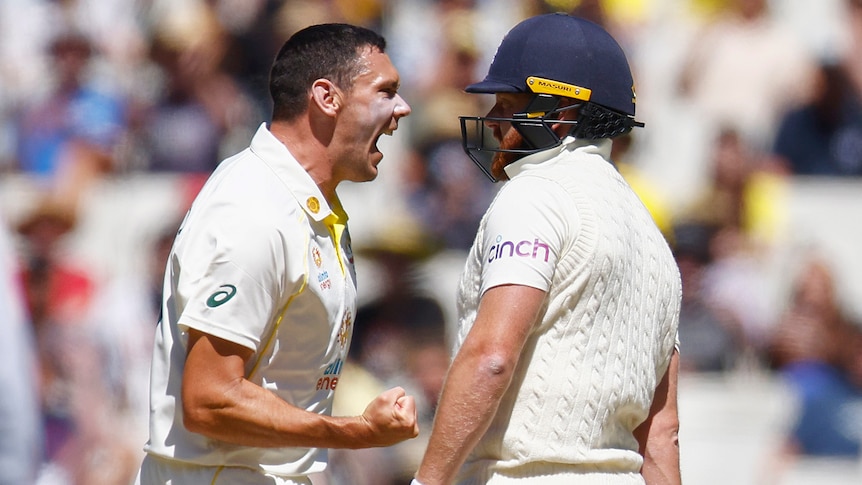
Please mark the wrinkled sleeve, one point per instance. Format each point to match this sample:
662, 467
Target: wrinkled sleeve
243, 265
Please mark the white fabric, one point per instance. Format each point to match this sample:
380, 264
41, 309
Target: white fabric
590, 366
255, 263
523, 246
157, 470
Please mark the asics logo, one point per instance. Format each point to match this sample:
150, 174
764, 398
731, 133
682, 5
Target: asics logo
222, 296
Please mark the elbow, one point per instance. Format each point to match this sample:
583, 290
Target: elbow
201, 412
491, 375
495, 366
660, 430
197, 418
663, 433
671, 431
666, 434
666, 424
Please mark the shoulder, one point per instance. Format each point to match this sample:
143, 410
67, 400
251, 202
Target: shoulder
533, 205
241, 203
244, 181
529, 196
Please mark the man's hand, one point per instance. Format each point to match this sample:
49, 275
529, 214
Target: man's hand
391, 417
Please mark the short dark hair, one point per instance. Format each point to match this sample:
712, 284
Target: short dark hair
328, 51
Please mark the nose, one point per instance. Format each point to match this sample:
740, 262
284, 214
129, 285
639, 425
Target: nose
493, 113
402, 109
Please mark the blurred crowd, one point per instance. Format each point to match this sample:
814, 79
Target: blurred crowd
740, 98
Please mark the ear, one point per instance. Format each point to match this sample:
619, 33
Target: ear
327, 97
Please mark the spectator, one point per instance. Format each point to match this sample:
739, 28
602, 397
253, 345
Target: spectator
402, 312
647, 190
447, 193
400, 333
253, 34
418, 28
813, 347
734, 281
441, 185
74, 397
710, 335
20, 431
187, 128
744, 70
722, 202
824, 136
68, 139
57, 291
123, 318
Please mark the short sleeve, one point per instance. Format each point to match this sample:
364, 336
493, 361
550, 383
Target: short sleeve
525, 231
232, 287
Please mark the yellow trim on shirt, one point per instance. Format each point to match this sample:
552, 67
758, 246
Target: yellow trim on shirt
336, 222
216, 474
269, 341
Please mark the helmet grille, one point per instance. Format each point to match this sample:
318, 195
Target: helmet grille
596, 121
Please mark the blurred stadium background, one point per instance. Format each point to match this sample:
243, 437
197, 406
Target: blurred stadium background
113, 112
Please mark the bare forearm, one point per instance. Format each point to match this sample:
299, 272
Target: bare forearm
467, 406
248, 415
218, 402
479, 376
659, 434
661, 467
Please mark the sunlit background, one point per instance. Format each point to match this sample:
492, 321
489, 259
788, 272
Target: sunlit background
113, 112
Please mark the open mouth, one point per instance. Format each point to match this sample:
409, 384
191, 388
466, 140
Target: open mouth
374, 147
387, 132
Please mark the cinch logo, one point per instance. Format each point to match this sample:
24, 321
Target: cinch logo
524, 249
330, 376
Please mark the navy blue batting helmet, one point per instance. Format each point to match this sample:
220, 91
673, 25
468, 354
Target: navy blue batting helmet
567, 50
553, 56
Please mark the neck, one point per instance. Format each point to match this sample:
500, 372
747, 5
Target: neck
309, 150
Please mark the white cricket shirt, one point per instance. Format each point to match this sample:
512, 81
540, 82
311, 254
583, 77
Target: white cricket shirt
567, 223
261, 260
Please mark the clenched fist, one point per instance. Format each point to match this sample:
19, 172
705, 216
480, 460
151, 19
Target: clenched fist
391, 418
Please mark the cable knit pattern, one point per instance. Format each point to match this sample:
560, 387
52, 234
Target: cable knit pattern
588, 371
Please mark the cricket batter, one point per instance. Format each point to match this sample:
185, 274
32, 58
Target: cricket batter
566, 366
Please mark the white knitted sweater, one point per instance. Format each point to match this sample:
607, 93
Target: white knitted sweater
588, 370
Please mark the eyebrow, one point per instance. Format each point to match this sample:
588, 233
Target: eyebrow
394, 84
